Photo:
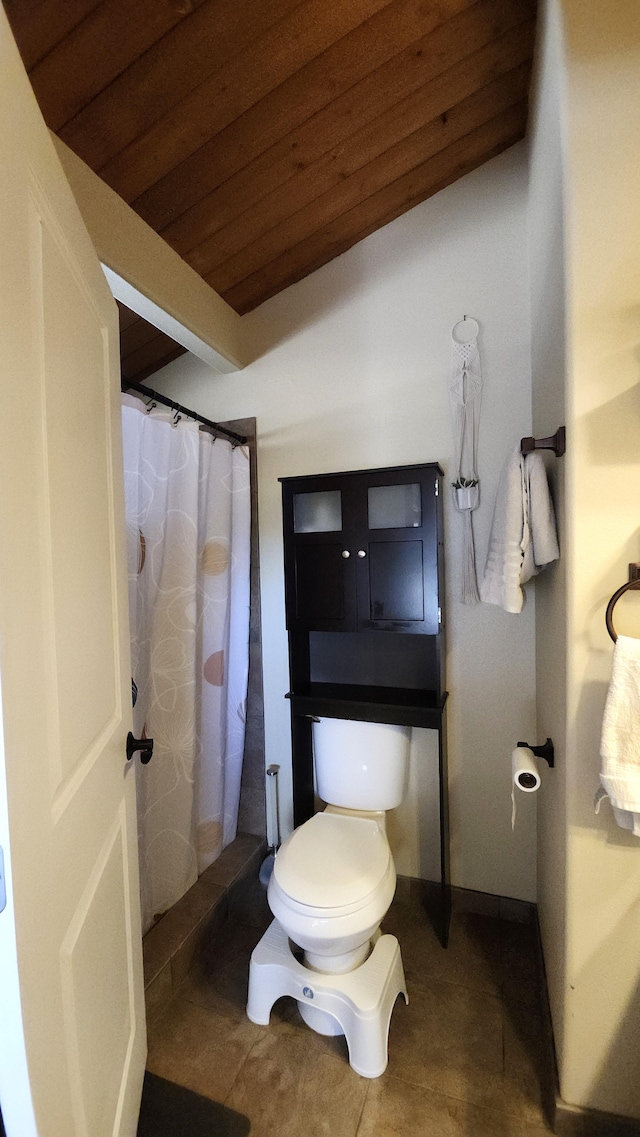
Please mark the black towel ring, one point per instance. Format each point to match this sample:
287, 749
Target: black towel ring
632, 583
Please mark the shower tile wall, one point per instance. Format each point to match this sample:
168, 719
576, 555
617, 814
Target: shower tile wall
251, 814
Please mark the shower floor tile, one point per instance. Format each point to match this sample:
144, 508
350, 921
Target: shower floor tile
463, 1055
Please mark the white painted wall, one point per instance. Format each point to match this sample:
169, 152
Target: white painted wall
548, 319
589, 868
358, 379
603, 498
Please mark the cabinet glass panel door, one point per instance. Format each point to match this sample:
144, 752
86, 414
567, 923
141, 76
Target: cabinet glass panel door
397, 551
317, 512
395, 507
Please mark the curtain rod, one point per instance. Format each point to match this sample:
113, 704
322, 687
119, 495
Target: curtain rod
239, 439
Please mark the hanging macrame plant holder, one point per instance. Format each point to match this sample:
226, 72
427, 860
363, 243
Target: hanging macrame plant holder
465, 394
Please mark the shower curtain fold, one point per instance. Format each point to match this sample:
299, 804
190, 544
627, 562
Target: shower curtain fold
187, 502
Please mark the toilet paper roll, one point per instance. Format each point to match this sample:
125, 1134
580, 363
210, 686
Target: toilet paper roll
524, 775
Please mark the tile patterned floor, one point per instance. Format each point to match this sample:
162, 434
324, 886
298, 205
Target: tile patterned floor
463, 1055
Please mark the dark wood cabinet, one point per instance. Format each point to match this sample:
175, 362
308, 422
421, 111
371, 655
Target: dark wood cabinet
365, 612
361, 551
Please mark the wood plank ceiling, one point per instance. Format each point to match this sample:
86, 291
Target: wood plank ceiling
261, 138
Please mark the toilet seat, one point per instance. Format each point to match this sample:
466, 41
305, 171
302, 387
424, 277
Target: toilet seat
334, 864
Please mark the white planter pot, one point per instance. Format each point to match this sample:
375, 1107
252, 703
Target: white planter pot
467, 497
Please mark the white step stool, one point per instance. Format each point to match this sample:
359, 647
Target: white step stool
361, 1000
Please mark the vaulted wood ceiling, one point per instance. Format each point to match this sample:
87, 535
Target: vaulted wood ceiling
261, 138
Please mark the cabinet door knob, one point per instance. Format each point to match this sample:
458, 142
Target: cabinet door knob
361, 553
346, 553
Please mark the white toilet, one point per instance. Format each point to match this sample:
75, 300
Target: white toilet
332, 884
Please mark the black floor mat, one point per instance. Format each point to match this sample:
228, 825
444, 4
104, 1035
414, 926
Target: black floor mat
168, 1110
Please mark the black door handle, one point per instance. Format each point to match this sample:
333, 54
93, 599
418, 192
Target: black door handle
144, 745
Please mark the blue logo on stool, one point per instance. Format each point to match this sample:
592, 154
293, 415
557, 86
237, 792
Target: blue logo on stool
307, 992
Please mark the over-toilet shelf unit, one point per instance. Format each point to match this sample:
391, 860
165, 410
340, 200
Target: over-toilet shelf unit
364, 590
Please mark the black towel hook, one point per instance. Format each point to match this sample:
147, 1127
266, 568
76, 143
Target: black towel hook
556, 442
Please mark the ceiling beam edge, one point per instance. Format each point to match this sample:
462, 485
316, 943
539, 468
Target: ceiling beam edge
146, 273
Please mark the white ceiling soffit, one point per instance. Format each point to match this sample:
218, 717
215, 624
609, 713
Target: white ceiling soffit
147, 275
160, 319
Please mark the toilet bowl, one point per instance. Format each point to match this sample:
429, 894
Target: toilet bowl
332, 883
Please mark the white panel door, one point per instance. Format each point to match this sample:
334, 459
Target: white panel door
73, 1049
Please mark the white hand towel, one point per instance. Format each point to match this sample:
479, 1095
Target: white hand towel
523, 533
620, 745
542, 521
501, 583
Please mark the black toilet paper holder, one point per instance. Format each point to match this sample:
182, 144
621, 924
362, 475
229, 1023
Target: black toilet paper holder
545, 751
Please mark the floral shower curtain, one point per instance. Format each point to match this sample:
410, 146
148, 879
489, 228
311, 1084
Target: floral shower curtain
187, 502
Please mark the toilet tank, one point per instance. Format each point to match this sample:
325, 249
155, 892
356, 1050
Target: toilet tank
360, 765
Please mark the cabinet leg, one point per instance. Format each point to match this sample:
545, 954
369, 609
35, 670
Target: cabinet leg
445, 882
303, 791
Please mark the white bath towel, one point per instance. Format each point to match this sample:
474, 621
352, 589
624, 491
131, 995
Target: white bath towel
523, 533
620, 745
